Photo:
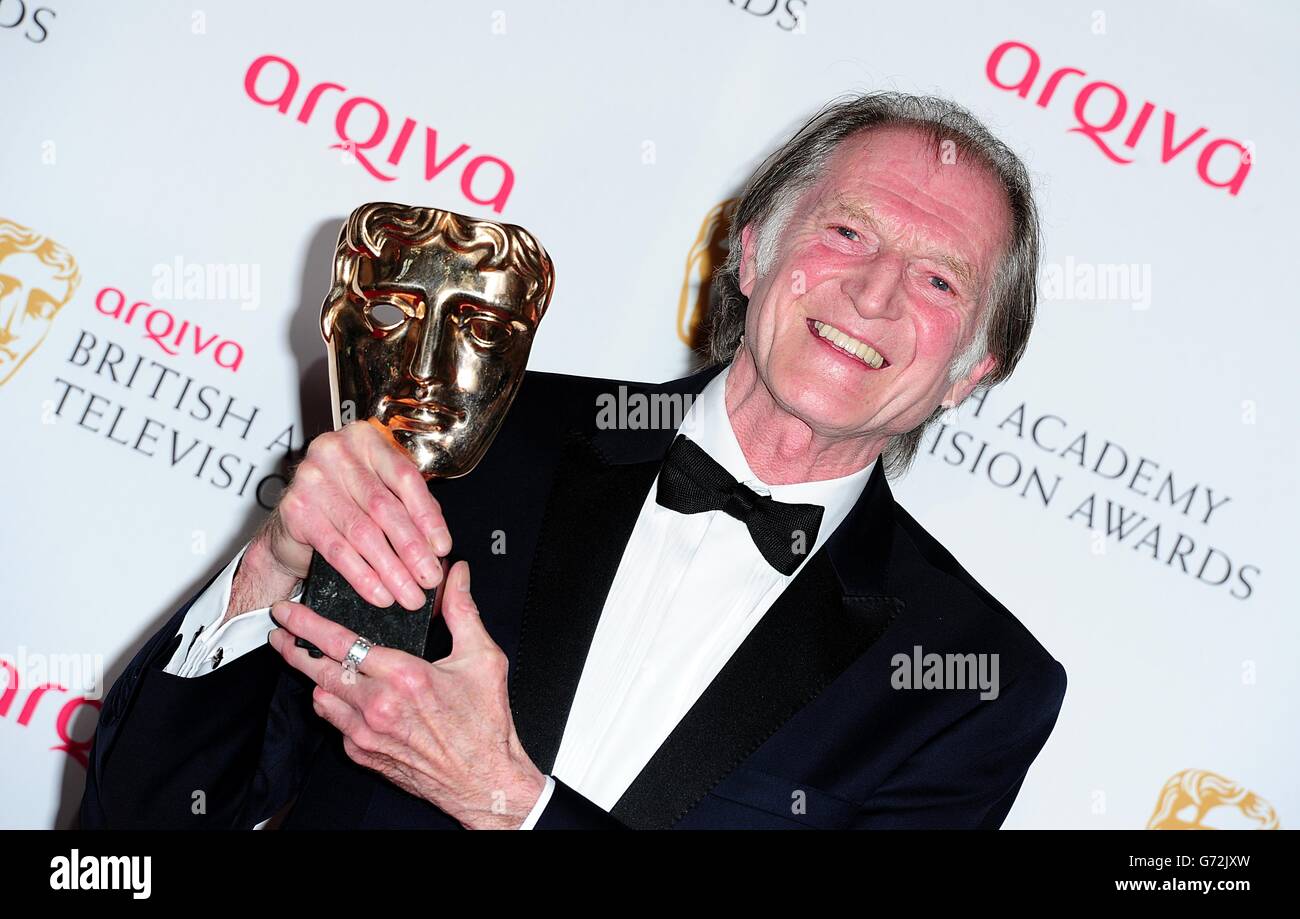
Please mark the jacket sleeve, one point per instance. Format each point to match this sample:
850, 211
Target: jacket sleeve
569, 810
206, 640
224, 750
968, 776
964, 778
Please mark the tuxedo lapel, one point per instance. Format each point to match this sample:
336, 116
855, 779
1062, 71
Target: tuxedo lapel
823, 621
802, 643
589, 518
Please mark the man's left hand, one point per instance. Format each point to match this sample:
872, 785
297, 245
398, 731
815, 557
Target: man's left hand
442, 730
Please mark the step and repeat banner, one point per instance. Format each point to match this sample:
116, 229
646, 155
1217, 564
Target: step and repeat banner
173, 176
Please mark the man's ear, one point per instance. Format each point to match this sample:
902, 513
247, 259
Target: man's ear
748, 273
958, 392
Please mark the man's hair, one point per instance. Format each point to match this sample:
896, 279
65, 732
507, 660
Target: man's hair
1006, 309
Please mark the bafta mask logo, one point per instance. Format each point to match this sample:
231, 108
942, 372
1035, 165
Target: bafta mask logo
428, 326
1198, 800
37, 278
708, 252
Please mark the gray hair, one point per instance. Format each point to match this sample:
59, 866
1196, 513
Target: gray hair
1006, 311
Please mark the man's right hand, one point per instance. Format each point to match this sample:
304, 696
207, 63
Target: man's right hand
359, 500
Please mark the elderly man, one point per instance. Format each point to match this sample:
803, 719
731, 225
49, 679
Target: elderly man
727, 622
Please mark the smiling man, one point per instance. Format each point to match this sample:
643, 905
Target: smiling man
725, 622
862, 294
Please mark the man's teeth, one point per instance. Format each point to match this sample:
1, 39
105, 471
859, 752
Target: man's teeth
860, 349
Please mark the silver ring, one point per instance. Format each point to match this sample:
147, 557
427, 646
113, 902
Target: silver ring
356, 654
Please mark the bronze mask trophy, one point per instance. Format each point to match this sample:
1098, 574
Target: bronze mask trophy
428, 324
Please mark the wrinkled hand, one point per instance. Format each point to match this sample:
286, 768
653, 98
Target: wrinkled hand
360, 501
441, 731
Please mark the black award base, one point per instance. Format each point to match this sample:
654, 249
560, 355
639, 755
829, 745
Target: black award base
330, 595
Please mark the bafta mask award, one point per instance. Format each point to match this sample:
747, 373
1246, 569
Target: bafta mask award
428, 324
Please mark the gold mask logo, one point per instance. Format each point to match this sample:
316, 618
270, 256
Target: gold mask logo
708, 252
1195, 799
37, 278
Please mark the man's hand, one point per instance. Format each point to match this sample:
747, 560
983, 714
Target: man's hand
359, 500
441, 731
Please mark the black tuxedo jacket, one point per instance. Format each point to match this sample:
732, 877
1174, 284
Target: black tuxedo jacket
801, 728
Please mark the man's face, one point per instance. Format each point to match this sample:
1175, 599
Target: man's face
435, 351
30, 296
894, 249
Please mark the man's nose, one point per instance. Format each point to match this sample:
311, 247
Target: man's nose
876, 288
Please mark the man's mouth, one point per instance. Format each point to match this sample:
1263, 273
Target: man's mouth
844, 342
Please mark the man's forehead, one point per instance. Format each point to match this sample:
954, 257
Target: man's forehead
895, 143
894, 179
906, 161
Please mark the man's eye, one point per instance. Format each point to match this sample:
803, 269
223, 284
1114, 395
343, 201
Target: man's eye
488, 330
385, 315
940, 283
847, 233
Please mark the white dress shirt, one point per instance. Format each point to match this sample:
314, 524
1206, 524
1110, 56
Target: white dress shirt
204, 644
688, 590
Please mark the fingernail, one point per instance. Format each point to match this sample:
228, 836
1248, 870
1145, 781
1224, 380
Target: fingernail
464, 579
441, 540
383, 597
413, 597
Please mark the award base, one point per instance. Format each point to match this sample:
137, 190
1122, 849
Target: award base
330, 595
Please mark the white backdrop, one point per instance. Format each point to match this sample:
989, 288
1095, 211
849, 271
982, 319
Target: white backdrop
1166, 325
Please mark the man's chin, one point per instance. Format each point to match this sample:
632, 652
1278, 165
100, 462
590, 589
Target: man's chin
822, 410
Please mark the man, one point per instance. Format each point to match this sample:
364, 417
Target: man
708, 624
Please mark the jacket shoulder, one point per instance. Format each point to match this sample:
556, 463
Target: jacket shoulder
551, 383
965, 611
570, 401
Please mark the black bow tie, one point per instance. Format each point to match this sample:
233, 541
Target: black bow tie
691, 482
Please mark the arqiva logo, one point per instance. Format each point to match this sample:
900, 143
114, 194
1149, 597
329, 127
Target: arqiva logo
476, 172
1226, 154
12, 683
